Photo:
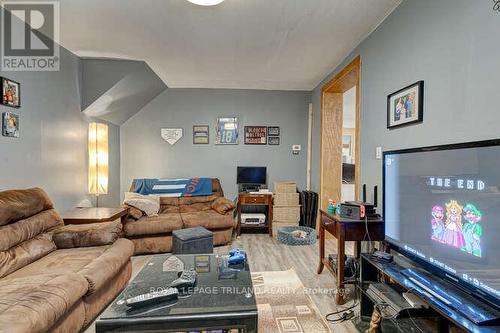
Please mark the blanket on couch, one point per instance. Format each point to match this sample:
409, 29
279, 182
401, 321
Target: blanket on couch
186, 187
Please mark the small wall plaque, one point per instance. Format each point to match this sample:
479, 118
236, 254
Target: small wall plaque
171, 135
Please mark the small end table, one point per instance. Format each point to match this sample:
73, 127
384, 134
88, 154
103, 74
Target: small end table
345, 230
94, 215
251, 199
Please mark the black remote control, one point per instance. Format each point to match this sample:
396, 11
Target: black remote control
154, 298
187, 279
382, 256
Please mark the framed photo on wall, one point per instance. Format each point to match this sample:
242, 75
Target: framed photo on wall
11, 93
200, 134
273, 131
10, 124
273, 140
406, 106
255, 135
227, 131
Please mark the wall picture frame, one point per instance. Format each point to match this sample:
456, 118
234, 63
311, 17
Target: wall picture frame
406, 106
273, 131
201, 135
227, 131
10, 124
255, 135
11, 93
273, 140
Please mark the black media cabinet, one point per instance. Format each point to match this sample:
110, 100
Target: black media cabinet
374, 271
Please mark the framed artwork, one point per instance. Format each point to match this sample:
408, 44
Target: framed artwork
171, 135
273, 140
10, 124
273, 131
11, 93
200, 134
406, 106
255, 135
227, 131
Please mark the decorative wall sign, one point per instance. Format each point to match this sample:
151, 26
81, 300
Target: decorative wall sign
227, 131
255, 135
273, 131
406, 106
200, 134
11, 93
10, 124
171, 135
273, 140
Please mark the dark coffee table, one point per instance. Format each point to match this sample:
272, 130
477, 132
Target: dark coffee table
220, 300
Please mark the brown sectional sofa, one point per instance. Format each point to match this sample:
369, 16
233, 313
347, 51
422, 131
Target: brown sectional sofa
153, 234
55, 278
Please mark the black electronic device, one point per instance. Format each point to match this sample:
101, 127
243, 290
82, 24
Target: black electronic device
165, 295
452, 297
351, 266
359, 210
251, 178
441, 208
387, 300
382, 256
186, 280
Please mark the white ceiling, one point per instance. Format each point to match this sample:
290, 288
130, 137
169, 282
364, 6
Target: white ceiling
249, 44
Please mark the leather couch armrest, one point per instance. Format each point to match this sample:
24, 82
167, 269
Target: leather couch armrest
84, 235
222, 205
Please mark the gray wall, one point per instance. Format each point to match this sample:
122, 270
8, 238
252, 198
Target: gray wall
452, 45
51, 151
145, 154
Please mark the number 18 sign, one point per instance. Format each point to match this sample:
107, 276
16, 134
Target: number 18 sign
227, 131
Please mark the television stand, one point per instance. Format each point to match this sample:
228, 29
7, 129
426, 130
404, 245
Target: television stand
261, 199
398, 273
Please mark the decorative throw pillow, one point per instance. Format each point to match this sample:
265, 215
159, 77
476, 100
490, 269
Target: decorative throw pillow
148, 204
222, 205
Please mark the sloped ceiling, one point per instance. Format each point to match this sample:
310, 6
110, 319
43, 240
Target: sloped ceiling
249, 44
114, 90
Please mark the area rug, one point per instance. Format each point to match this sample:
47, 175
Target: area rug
283, 304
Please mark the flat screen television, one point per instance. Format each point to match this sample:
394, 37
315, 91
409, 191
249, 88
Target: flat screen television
442, 209
251, 175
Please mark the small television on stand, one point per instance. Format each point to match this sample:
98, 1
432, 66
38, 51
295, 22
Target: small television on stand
251, 178
442, 210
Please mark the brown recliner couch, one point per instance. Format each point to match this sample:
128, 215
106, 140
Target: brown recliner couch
55, 278
153, 234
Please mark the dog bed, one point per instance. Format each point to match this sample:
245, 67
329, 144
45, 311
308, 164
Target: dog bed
287, 235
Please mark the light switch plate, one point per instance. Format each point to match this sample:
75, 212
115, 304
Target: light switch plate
378, 153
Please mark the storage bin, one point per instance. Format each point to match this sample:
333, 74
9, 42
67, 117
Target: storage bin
285, 187
286, 213
286, 199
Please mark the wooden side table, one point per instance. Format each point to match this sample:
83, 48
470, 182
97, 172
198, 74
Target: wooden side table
94, 215
345, 230
245, 198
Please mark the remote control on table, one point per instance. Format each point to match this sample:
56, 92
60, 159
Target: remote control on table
168, 294
187, 279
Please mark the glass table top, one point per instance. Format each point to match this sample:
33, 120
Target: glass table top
219, 288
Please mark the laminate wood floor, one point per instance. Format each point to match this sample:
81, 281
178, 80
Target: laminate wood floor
267, 254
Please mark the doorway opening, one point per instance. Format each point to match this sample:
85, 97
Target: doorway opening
340, 149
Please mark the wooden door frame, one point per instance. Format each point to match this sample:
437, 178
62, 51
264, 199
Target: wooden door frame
348, 77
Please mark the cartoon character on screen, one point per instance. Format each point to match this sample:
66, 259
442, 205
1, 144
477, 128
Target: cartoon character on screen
472, 230
437, 223
453, 231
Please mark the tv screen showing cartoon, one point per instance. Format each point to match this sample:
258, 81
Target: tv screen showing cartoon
443, 206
